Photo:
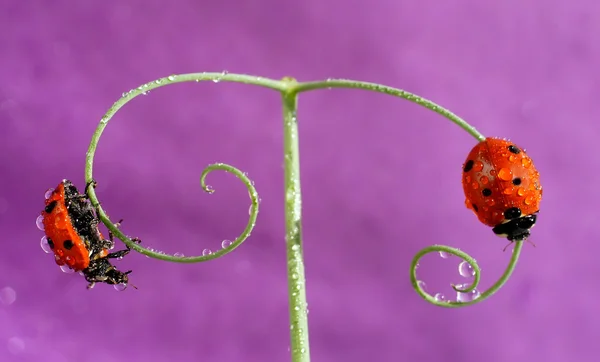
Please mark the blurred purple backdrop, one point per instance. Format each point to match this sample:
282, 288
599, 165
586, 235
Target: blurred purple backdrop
381, 177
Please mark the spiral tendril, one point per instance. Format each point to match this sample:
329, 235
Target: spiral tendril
477, 274
126, 97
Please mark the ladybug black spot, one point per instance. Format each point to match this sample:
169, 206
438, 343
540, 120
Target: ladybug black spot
50, 207
514, 149
50, 243
475, 207
516, 181
468, 166
512, 213
486, 192
68, 244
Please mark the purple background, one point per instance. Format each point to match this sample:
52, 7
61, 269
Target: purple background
381, 176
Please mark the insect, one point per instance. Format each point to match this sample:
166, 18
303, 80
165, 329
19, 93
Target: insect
502, 187
70, 224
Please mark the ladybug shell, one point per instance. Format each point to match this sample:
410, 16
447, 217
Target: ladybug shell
70, 247
499, 175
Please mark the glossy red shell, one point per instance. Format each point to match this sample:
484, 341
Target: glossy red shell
498, 175
59, 228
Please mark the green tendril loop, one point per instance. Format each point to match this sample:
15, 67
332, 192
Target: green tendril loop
289, 89
466, 257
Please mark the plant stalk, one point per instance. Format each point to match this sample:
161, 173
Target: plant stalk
293, 226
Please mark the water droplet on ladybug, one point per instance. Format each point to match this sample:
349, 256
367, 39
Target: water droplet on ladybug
66, 269
475, 185
490, 201
526, 162
39, 222
468, 204
120, 287
478, 166
466, 270
505, 174
509, 190
206, 252
45, 245
529, 200
49, 193
467, 178
512, 158
521, 191
439, 297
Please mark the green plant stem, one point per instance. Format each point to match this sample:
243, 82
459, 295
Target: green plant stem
346, 83
293, 230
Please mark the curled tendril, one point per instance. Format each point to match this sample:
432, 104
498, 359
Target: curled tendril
217, 166
466, 257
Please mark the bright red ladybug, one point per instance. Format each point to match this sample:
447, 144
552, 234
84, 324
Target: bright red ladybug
502, 187
71, 227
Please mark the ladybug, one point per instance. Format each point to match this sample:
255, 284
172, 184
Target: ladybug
70, 224
502, 187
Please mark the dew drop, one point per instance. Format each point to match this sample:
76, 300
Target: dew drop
526, 162
7, 295
467, 179
505, 174
421, 284
493, 172
39, 222
529, 200
49, 193
444, 255
466, 270
15, 345
512, 158
45, 245
171, 77
206, 252
158, 81
484, 180
120, 287
478, 166
226, 243
475, 185
509, 190
178, 255
440, 297
521, 191
66, 269
466, 297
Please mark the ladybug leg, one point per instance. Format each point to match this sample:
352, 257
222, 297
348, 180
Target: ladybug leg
118, 254
117, 225
92, 183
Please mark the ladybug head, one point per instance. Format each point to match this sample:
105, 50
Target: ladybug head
515, 228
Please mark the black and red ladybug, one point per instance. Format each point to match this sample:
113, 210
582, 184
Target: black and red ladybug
70, 224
